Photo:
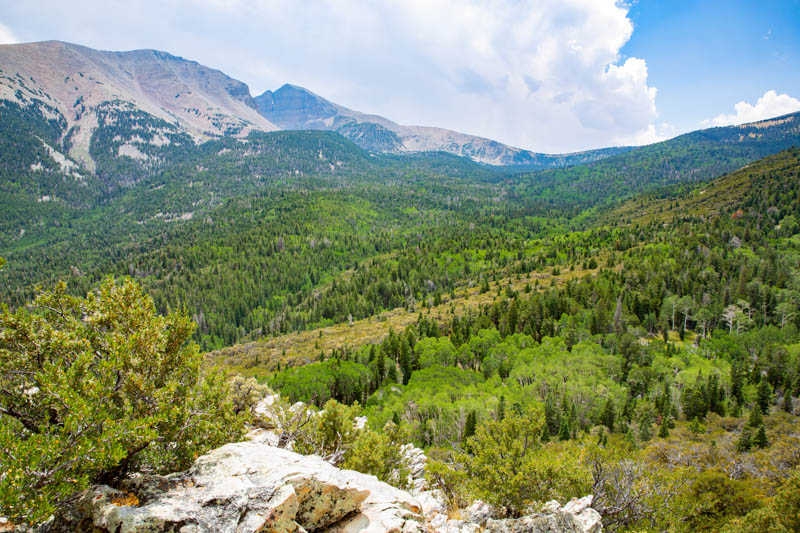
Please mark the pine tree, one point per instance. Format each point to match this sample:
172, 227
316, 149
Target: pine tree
609, 415
380, 368
513, 317
745, 440
787, 401
756, 418
392, 374
663, 430
760, 439
470, 425
764, 396
563, 431
501, 408
645, 432
405, 365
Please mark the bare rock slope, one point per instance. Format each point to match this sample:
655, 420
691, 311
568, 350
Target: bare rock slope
82, 85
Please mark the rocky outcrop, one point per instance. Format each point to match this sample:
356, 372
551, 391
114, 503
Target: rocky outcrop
254, 487
575, 517
415, 459
246, 487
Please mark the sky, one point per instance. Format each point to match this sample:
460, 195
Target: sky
545, 75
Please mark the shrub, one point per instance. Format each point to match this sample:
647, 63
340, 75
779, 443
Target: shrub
380, 454
781, 515
92, 388
508, 466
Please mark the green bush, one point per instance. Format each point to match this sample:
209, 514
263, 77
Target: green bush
381, 455
92, 388
509, 467
781, 515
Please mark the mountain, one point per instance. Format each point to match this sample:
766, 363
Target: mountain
89, 89
295, 108
165, 97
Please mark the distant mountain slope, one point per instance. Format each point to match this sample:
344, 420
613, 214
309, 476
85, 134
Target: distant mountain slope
690, 158
89, 88
767, 179
296, 108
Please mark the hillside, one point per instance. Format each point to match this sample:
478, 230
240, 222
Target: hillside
230, 203
727, 193
280, 218
693, 157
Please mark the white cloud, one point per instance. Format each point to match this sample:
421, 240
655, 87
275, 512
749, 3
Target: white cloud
541, 74
6, 35
771, 104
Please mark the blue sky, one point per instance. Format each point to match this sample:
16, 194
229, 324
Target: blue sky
547, 75
705, 56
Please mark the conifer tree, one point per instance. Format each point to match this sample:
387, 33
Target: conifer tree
760, 438
764, 396
609, 415
756, 418
470, 424
745, 440
563, 431
501, 408
96, 387
663, 429
787, 401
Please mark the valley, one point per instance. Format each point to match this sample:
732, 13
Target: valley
621, 322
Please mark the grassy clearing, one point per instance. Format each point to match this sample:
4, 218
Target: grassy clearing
261, 358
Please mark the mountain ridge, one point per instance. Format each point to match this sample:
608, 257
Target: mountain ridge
295, 107
81, 84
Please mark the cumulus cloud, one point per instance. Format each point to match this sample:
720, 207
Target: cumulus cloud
6, 35
771, 104
541, 74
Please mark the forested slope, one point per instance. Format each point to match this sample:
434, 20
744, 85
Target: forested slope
678, 364
690, 158
274, 222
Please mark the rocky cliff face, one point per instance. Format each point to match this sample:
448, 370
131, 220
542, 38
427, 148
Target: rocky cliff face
254, 487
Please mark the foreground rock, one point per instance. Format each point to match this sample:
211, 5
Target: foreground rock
246, 487
254, 487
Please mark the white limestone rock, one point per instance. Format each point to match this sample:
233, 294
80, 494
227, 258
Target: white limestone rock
247, 487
